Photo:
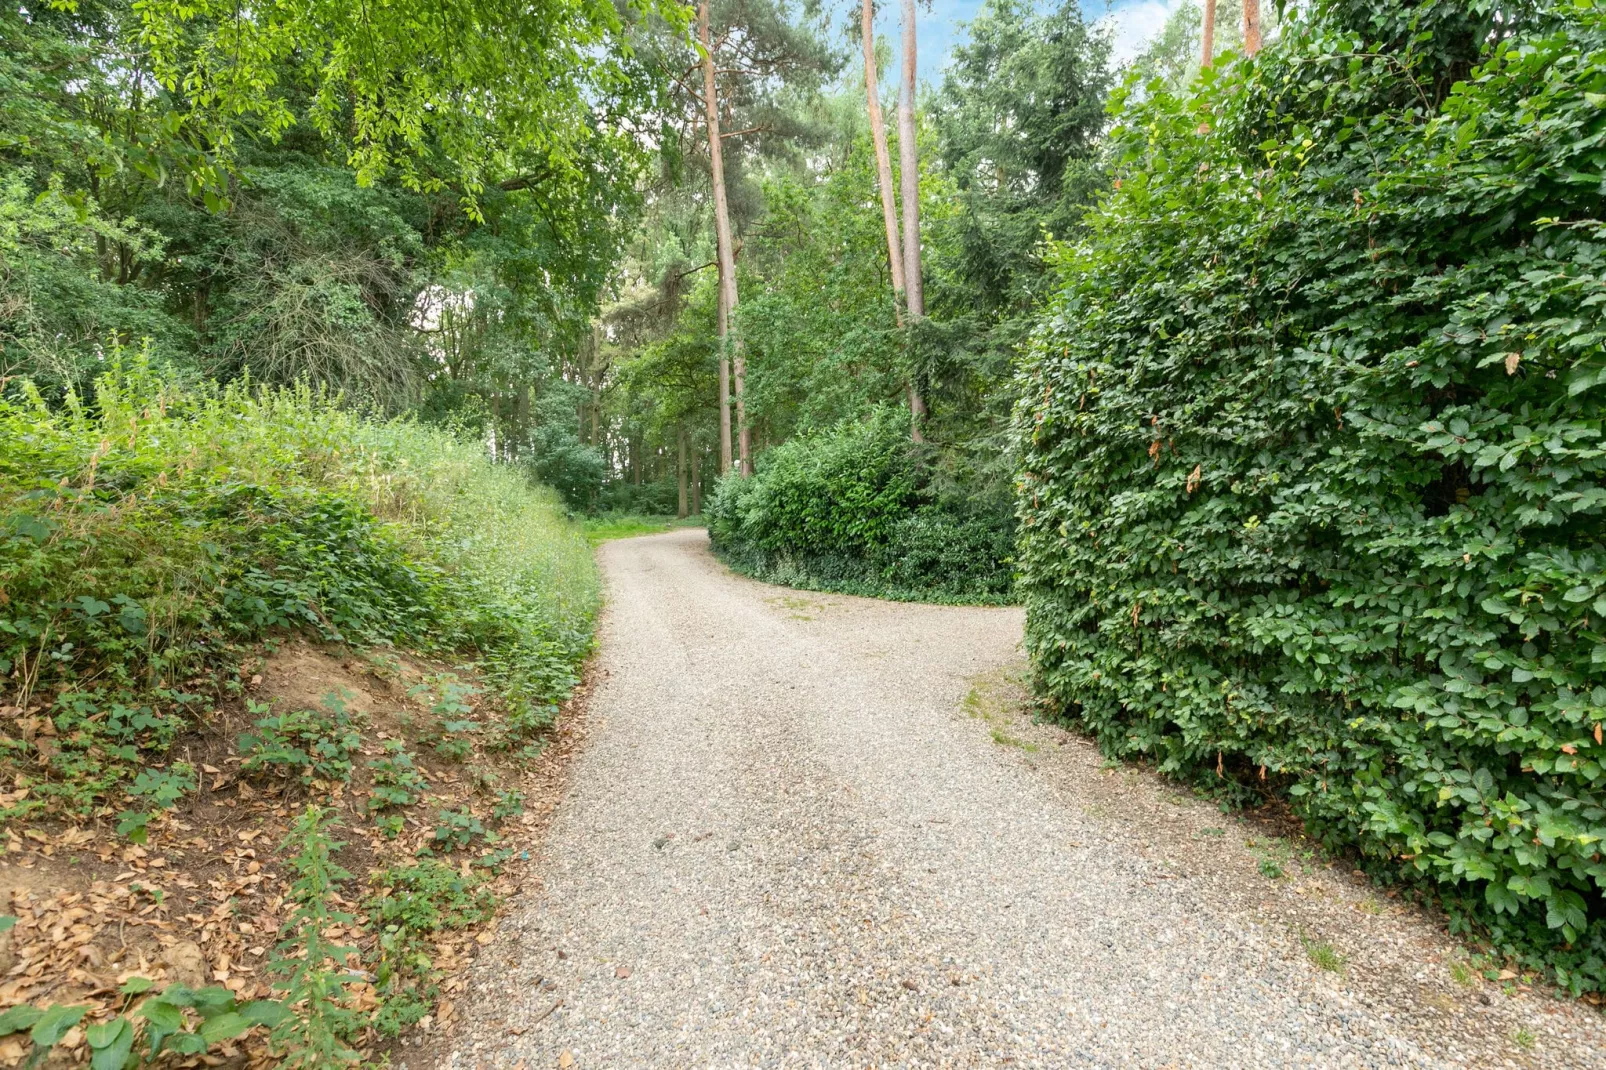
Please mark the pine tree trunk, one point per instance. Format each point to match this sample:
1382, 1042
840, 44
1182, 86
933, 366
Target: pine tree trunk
681, 474
726, 254
1208, 46
696, 482
883, 160
1251, 27
909, 168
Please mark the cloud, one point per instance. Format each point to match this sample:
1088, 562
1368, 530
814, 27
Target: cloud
1136, 23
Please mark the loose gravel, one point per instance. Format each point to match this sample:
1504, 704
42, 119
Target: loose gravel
814, 830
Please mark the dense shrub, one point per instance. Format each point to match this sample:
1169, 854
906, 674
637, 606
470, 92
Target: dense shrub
858, 508
1312, 486
150, 533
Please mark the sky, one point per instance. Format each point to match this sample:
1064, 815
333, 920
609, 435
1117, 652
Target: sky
940, 26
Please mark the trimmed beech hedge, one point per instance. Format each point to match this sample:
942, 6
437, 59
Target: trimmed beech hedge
858, 508
1313, 478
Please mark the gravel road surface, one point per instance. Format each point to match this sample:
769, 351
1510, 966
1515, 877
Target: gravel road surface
814, 830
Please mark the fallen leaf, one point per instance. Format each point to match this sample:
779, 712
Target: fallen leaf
1512, 360
565, 1059
622, 972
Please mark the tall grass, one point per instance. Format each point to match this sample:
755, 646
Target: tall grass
149, 534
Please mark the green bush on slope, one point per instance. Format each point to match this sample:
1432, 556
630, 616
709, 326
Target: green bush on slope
148, 534
1312, 465
859, 508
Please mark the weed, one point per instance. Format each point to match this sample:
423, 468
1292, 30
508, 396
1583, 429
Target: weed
162, 789
413, 902
308, 965
397, 781
509, 804
1523, 1038
307, 745
455, 830
1270, 868
1463, 973
1322, 955
1004, 739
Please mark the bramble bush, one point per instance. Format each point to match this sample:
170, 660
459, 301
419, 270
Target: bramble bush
151, 533
1312, 472
859, 508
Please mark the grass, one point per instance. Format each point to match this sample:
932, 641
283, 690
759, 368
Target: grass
605, 527
1322, 955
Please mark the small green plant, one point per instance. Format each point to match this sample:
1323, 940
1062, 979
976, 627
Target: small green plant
412, 902
310, 968
450, 701
1523, 1038
509, 804
455, 830
1463, 973
1322, 955
397, 781
304, 744
390, 825
1270, 868
180, 1020
161, 789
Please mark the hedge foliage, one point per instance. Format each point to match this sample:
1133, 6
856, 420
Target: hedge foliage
859, 508
1313, 476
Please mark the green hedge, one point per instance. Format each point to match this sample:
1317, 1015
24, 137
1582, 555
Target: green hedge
858, 508
1313, 478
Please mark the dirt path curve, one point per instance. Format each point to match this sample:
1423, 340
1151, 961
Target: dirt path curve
787, 845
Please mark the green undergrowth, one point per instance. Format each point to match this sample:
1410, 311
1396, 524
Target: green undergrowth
152, 534
605, 527
859, 509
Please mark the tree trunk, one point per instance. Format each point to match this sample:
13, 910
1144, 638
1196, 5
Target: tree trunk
696, 482
883, 161
909, 168
727, 260
680, 472
1251, 27
523, 416
1208, 46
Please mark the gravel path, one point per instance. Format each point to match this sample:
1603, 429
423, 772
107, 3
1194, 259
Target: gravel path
812, 830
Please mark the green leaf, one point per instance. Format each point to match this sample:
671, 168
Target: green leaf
54, 1024
268, 1012
135, 986
6, 922
16, 1019
164, 1015
111, 1044
225, 1026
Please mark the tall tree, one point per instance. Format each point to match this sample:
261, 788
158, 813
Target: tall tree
883, 161
1251, 27
909, 168
1208, 45
726, 253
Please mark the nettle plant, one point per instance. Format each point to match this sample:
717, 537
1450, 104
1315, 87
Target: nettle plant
1313, 475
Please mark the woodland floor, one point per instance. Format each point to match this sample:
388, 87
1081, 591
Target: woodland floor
815, 830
